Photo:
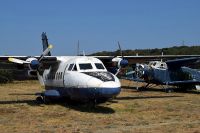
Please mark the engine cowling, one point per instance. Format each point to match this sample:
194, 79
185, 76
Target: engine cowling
34, 63
120, 62
123, 63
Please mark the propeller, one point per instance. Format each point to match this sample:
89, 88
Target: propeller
120, 50
47, 50
33, 63
139, 70
122, 62
18, 61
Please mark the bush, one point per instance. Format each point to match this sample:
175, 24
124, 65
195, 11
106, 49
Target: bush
6, 76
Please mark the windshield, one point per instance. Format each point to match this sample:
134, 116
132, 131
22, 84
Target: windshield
99, 66
85, 66
70, 67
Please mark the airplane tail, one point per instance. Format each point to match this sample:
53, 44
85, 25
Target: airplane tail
45, 42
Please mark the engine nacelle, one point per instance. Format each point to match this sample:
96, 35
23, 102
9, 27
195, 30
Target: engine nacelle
123, 63
120, 62
34, 63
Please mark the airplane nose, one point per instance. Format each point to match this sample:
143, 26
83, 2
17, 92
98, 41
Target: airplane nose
109, 89
107, 92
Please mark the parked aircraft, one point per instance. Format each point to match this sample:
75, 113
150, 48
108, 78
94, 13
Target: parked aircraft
78, 78
170, 73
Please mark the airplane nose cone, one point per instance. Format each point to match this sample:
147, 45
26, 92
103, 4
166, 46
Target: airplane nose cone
109, 89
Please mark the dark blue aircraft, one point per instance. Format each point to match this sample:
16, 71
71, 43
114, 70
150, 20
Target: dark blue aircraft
171, 73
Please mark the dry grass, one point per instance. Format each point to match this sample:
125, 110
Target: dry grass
132, 111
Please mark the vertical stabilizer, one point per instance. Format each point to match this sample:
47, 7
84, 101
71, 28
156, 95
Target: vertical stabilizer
45, 43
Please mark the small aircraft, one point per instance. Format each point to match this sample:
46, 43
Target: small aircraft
78, 78
170, 73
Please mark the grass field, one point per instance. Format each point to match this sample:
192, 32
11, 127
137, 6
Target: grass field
131, 111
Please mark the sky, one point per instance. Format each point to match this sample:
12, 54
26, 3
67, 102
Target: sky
97, 24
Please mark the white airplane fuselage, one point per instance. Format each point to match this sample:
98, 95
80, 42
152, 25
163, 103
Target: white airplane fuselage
80, 78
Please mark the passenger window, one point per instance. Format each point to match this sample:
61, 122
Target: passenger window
70, 67
61, 75
99, 66
85, 66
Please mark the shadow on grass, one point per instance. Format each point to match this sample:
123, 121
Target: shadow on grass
22, 94
83, 107
144, 97
144, 89
90, 108
160, 89
29, 102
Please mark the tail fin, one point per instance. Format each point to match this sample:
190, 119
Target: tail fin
45, 42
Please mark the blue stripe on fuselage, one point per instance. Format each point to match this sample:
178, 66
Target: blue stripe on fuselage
86, 93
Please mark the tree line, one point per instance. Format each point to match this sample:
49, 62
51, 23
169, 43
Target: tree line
176, 50
7, 76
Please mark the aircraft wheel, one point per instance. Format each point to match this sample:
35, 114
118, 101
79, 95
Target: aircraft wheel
137, 88
39, 100
169, 90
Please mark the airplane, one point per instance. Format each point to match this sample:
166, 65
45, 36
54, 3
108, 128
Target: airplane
114, 63
77, 78
170, 73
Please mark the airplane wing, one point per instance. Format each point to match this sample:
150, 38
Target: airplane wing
46, 58
6, 64
177, 63
142, 59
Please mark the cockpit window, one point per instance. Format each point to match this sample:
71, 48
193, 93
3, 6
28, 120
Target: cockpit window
70, 67
75, 68
99, 66
85, 66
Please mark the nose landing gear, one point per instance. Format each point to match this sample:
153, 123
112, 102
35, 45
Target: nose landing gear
41, 98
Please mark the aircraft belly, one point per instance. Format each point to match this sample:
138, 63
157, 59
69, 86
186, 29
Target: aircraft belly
87, 93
